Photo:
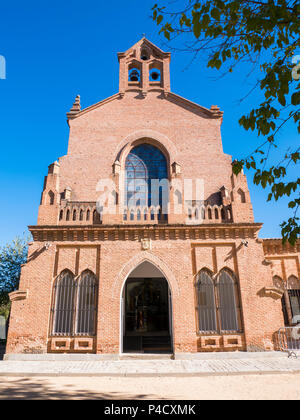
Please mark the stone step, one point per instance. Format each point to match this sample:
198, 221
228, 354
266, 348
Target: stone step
146, 356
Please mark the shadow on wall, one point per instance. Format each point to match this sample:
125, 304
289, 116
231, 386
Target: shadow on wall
231, 254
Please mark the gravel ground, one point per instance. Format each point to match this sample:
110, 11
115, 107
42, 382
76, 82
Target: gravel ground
234, 387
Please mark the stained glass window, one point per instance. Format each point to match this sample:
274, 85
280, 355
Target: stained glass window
146, 177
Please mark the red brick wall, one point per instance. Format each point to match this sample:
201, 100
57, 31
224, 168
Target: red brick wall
180, 260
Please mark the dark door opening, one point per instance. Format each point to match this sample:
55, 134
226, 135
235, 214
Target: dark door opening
147, 316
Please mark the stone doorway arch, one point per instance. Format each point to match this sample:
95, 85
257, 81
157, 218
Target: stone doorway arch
146, 311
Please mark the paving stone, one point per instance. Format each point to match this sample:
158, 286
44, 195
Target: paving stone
243, 364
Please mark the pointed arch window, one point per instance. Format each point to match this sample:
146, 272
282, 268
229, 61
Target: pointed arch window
228, 308
86, 304
218, 302
241, 195
64, 306
146, 176
74, 304
291, 301
207, 320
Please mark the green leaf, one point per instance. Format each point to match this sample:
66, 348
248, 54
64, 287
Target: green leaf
159, 19
295, 100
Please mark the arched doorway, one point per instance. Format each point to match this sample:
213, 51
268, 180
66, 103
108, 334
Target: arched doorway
147, 311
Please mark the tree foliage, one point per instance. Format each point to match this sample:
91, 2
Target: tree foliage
12, 256
266, 33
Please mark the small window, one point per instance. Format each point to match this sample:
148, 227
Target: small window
51, 198
242, 196
95, 216
293, 283
278, 282
223, 215
203, 213
178, 196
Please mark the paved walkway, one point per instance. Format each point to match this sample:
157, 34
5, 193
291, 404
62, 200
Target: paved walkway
193, 365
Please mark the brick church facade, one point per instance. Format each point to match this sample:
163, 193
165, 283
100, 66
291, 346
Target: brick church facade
116, 266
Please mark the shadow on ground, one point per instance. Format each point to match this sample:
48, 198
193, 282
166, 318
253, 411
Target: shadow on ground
39, 389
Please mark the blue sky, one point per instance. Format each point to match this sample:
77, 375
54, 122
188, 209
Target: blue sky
56, 50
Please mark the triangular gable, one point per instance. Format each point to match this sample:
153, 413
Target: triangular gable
147, 43
214, 112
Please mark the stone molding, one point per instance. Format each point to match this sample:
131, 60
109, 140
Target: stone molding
275, 246
144, 256
18, 295
137, 232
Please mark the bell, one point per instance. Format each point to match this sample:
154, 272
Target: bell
155, 75
144, 55
134, 76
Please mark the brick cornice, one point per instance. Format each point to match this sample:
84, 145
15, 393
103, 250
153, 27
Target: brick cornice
137, 232
210, 113
275, 246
